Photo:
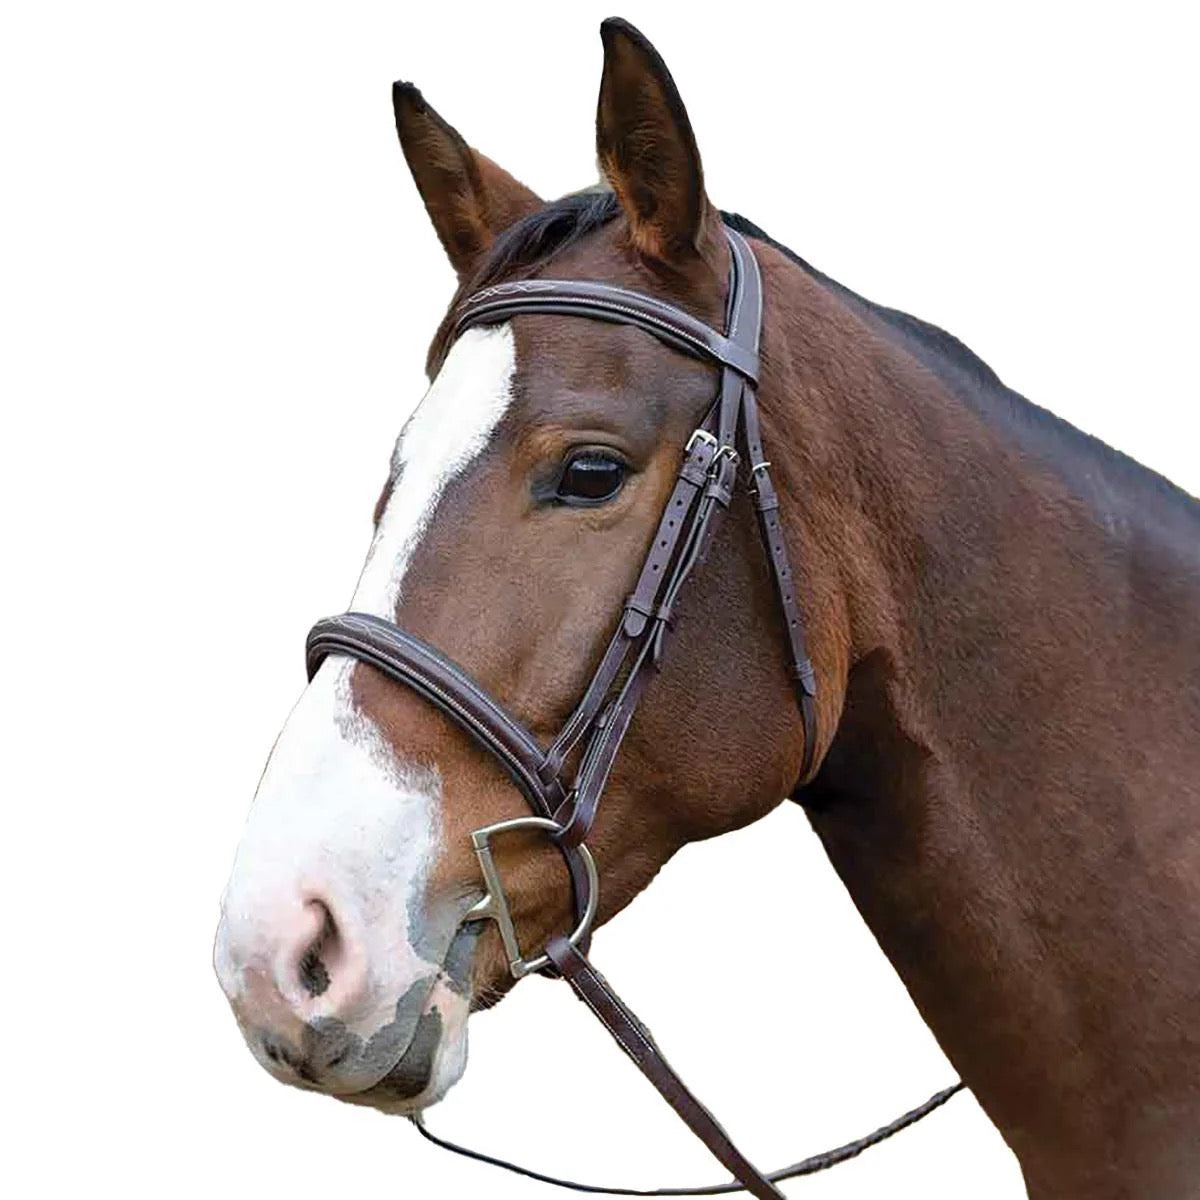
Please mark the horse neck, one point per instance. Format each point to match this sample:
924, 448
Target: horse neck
1003, 794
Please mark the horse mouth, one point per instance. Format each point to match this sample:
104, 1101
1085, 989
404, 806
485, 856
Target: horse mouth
430, 1065
435, 1055
412, 1073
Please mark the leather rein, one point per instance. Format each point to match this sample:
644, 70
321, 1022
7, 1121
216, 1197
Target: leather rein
565, 808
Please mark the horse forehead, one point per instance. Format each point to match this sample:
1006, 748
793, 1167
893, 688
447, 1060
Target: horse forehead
448, 430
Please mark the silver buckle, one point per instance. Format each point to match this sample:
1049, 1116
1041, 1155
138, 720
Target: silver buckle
723, 452
699, 435
494, 905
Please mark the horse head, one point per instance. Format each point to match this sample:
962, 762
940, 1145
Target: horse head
523, 496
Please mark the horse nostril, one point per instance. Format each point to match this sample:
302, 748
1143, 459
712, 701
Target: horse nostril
314, 974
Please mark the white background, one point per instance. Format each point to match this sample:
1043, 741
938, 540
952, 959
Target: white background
217, 288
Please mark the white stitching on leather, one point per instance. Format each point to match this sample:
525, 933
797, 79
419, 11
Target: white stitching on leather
588, 970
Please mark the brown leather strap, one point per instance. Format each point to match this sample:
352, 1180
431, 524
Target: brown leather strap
640, 605
634, 1038
647, 615
408, 660
746, 321
766, 506
673, 524
578, 814
605, 301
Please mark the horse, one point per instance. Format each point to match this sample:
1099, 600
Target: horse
1001, 754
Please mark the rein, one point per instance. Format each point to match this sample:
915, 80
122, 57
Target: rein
565, 810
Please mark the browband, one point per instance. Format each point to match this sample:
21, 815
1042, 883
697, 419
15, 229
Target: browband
604, 301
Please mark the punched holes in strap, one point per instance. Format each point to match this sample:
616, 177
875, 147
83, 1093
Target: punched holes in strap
693, 477
641, 607
802, 670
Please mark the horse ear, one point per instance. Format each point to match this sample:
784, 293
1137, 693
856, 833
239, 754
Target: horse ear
647, 151
468, 197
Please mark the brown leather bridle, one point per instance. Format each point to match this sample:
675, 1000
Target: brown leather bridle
592, 735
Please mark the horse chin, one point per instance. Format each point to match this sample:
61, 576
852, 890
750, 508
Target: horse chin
432, 1063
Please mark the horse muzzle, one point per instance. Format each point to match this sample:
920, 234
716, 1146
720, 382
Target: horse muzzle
317, 1014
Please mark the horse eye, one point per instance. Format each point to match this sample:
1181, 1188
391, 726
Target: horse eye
591, 478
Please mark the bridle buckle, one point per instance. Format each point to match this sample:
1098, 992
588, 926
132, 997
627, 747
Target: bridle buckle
494, 906
723, 452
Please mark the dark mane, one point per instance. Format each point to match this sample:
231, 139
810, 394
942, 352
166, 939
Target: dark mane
536, 239
1092, 466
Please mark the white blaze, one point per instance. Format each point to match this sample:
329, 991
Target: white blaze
339, 815
451, 426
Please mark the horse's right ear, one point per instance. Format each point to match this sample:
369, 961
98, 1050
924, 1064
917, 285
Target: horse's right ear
647, 151
469, 198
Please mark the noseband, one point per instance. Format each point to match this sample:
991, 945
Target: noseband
565, 808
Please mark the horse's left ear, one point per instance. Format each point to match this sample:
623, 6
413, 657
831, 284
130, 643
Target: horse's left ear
648, 153
469, 198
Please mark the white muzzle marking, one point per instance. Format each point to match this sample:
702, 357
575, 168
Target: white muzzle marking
328, 948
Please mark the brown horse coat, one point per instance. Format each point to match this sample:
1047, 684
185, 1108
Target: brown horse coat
1002, 616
